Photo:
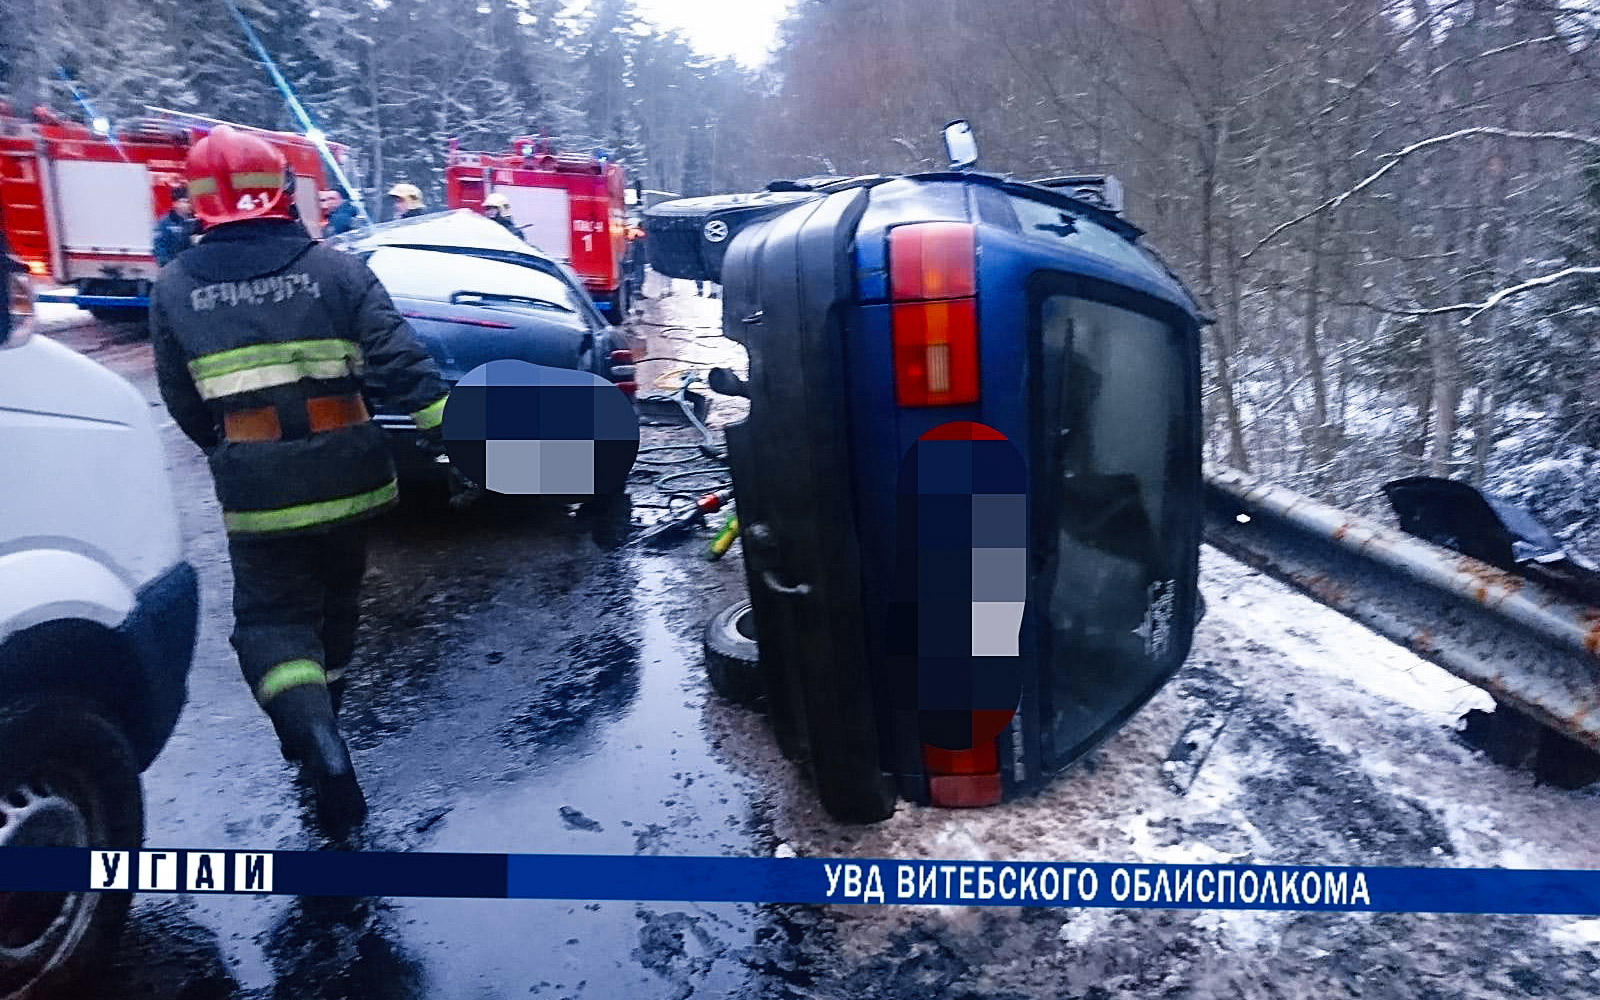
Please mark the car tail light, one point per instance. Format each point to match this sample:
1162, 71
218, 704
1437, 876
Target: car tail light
622, 372
933, 284
462, 321
963, 779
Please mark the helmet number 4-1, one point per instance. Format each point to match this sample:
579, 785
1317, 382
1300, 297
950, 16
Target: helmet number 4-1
247, 203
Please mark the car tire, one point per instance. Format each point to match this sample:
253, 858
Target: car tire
687, 238
621, 302
733, 661
68, 778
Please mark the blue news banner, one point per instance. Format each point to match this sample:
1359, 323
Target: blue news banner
802, 880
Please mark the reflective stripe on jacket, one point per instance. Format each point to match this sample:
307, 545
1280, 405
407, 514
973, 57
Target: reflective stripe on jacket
259, 315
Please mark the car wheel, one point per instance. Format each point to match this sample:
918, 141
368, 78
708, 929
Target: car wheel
68, 778
733, 663
620, 304
687, 238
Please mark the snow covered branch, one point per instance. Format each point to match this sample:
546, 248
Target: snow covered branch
1475, 309
1395, 158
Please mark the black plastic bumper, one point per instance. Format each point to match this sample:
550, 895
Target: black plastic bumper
161, 633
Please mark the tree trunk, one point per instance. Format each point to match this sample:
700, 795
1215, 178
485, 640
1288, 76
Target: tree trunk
375, 94
1222, 339
1446, 392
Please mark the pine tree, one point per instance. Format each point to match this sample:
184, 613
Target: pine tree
116, 55
697, 172
218, 66
608, 49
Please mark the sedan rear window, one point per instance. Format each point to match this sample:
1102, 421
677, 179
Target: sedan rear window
457, 277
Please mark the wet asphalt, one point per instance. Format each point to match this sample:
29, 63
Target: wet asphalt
528, 681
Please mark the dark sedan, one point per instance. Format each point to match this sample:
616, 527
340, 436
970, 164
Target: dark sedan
474, 293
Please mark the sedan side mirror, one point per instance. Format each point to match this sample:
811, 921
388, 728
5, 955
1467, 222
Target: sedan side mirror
960, 145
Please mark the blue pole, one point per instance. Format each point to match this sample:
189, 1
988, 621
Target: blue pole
88, 109
296, 108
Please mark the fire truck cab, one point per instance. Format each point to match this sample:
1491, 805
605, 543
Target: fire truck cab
81, 205
571, 206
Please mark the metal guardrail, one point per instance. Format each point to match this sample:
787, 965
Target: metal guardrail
1533, 650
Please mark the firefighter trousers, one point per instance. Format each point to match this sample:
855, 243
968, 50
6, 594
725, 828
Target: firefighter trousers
296, 604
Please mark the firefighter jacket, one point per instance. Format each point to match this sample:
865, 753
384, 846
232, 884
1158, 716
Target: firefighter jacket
173, 235
258, 318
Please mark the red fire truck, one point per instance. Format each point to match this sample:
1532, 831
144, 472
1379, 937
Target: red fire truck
81, 205
571, 206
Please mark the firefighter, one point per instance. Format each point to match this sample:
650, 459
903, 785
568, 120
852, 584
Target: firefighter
408, 201
264, 340
175, 231
498, 207
633, 261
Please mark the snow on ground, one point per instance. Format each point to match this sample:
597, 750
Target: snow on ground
682, 332
1339, 748
54, 316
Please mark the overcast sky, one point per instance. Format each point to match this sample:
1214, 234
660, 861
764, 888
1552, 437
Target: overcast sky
742, 29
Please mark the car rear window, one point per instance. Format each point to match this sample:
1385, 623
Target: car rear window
445, 277
1044, 220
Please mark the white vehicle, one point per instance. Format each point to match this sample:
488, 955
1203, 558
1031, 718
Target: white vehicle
97, 623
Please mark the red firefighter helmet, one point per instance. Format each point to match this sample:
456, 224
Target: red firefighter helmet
235, 176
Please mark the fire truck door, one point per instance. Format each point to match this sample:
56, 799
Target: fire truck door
105, 209
22, 193
545, 217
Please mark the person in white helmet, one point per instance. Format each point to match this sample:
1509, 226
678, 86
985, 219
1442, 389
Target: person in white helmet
498, 207
408, 201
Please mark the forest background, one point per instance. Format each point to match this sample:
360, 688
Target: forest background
1390, 207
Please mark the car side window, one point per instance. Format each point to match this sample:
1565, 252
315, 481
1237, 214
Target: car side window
443, 276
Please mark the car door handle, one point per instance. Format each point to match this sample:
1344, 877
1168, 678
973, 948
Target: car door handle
770, 579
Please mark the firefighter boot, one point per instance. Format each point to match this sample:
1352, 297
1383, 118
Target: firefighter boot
303, 717
336, 685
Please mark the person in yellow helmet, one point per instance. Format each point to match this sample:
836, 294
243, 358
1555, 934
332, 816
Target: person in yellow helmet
498, 207
408, 201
